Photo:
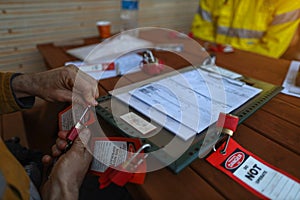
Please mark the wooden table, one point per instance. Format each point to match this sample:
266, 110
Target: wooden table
272, 133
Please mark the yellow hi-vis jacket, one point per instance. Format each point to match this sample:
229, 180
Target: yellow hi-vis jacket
262, 26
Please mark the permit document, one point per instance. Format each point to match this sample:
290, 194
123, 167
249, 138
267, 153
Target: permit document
187, 103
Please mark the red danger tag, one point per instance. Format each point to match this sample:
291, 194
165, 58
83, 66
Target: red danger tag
256, 175
66, 118
113, 151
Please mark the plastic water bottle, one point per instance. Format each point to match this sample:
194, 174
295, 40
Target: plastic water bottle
129, 14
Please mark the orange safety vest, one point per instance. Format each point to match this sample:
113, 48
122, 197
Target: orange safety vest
262, 26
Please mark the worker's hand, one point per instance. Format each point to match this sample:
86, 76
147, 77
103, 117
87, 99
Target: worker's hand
57, 148
68, 172
65, 84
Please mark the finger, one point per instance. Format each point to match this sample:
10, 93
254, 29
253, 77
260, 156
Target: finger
82, 84
91, 95
92, 84
76, 96
91, 98
85, 93
72, 68
87, 86
61, 95
55, 151
47, 160
61, 144
63, 134
79, 99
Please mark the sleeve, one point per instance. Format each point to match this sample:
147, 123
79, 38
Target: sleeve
15, 182
281, 30
202, 26
9, 102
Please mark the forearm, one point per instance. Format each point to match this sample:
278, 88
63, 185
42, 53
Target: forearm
24, 85
58, 189
9, 101
52, 85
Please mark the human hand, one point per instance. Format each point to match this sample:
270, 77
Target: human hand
56, 149
62, 84
69, 171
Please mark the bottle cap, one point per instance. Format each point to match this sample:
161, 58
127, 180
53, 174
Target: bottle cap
130, 4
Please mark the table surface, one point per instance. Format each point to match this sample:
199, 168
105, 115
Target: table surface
272, 132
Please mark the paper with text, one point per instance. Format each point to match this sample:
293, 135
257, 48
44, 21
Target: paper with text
188, 103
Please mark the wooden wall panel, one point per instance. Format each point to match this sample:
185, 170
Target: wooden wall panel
23, 24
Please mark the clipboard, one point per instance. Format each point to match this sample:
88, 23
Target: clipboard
199, 146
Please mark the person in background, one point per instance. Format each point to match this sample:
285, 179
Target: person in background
18, 92
267, 27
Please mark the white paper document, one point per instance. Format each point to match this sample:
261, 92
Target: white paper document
107, 153
289, 82
124, 65
110, 49
188, 102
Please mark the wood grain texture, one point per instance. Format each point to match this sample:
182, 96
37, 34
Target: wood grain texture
187, 185
275, 128
24, 24
286, 111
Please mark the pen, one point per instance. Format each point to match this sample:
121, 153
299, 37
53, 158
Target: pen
228, 80
73, 133
235, 82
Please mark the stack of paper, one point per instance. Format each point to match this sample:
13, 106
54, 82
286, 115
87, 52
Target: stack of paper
187, 103
110, 49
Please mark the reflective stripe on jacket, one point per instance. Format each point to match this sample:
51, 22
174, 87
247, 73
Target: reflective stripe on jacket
262, 26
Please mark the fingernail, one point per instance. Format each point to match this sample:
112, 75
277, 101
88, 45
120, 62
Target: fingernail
95, 102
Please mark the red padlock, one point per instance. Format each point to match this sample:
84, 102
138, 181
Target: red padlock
227, 124
150, 64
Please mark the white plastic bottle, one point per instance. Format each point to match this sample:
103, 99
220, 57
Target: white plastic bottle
129, 14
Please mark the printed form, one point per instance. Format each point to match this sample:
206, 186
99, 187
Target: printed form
188, 102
